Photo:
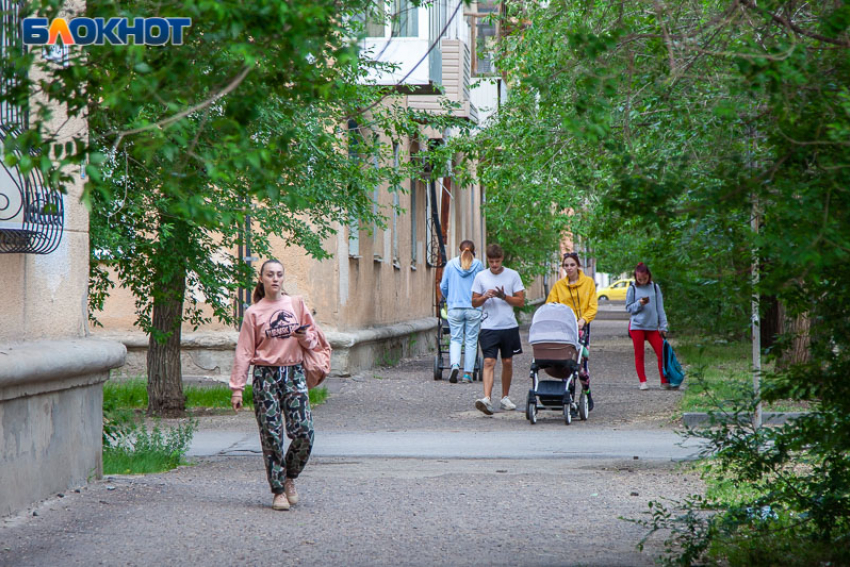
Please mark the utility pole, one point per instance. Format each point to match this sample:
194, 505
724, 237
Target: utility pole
755, 225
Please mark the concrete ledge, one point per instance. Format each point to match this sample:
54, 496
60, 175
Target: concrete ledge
209, 354
38, 367
702, 419
349, 339
226, 340
51, 420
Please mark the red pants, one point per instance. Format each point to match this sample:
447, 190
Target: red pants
654, 338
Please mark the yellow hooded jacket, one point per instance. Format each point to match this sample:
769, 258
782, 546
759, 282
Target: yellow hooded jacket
580, 296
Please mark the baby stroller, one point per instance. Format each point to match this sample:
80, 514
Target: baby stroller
558, 349
444, 339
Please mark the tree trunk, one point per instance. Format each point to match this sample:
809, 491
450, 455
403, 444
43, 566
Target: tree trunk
165, 375
798, 328
771, 321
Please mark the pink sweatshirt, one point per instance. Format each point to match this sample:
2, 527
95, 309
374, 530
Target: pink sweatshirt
267, 337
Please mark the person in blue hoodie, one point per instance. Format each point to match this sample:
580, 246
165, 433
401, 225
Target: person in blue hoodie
464, 319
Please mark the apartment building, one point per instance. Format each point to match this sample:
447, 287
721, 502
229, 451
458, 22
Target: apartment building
376, 298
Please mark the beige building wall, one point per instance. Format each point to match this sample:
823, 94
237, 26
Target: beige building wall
375, 287
44, 296
375, 297
51, 374
370, 297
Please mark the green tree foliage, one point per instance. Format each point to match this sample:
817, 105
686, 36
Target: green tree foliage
667, 126
248, 118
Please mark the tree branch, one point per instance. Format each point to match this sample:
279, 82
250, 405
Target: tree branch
182, 114
794, 27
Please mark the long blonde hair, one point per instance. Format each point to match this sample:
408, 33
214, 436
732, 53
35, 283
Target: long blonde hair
467, 254
466, 258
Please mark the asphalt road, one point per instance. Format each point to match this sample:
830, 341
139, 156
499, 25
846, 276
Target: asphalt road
587, 444
405, 472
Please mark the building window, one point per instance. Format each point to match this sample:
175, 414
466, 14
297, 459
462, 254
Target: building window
430, 228
396, 204
11, 115
413, 198
376, 196
354, 140
405, 20
376, 19
486, 35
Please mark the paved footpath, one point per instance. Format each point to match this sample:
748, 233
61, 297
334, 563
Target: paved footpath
405, 472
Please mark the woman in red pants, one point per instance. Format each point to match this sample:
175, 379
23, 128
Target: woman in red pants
648, 322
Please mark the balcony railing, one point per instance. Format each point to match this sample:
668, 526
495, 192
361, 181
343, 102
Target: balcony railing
32, 216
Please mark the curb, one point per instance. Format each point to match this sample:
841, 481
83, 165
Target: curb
703, 419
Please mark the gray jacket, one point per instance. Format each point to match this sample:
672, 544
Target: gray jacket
649, 317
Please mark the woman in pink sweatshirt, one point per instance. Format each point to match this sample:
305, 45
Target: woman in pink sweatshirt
275, 333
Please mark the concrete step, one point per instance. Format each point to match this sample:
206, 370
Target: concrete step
612, 311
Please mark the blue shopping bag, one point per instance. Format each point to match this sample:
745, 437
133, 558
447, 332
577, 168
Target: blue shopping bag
673, 371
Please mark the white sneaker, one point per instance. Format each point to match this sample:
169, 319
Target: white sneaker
484, 405
507, 404
644, 386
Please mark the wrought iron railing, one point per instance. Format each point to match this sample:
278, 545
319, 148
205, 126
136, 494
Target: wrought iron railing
32, 216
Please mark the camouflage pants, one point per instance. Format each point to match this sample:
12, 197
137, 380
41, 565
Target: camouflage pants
280, 393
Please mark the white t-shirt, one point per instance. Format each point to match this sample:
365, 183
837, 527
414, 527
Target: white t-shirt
498, 314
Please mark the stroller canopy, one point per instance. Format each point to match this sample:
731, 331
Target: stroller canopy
554, 323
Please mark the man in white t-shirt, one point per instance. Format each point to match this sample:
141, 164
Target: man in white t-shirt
499, 290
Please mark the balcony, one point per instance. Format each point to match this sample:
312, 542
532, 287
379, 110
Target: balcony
404, 37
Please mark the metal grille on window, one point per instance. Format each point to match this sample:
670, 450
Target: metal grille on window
376, 19
485, 46
31, 215
436, 247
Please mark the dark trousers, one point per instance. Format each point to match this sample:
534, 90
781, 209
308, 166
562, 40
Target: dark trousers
584, 373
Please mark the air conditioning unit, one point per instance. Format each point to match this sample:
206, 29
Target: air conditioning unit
31, 216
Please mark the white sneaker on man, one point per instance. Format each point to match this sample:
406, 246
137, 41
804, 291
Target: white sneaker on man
507, 404
484, 405
644, 386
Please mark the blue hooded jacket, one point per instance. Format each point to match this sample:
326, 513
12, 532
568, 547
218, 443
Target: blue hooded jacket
456, 284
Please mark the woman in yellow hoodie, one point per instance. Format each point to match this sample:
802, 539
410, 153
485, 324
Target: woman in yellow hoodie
578, 292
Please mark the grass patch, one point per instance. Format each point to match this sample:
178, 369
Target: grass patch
133, 394
720, 373
132, 449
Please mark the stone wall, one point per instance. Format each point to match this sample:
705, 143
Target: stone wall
209, 355
51, 399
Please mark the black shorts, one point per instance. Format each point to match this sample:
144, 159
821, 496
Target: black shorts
494, 341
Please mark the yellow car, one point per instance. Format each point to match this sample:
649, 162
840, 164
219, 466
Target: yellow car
616, 291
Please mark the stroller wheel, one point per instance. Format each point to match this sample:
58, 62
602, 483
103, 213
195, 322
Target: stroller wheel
582, 405
531, 412
438, 372
568, 414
